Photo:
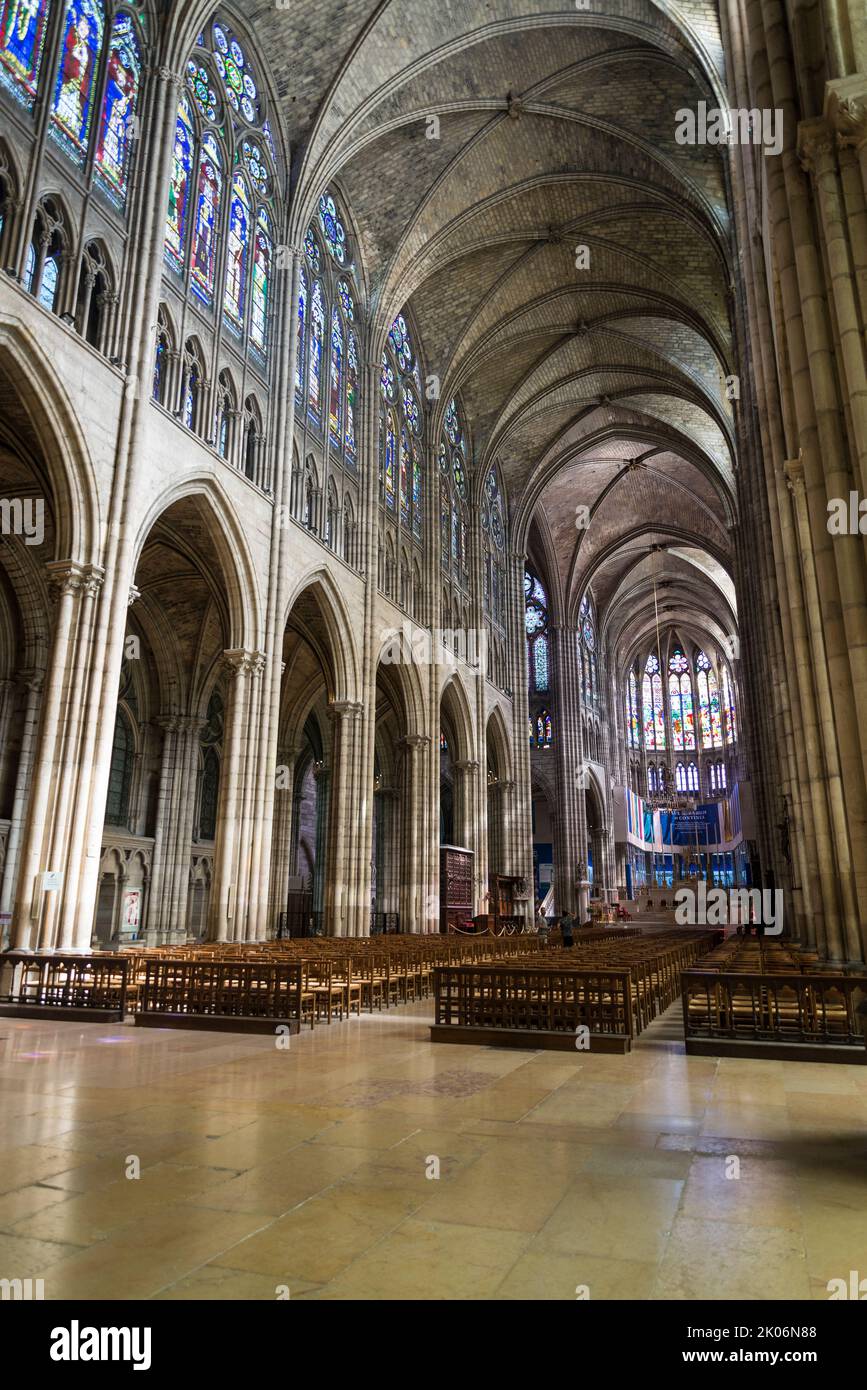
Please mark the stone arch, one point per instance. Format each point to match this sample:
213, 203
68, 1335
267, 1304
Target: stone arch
238, 570
49, 427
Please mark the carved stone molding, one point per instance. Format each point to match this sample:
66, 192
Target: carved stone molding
243, 662
67, 577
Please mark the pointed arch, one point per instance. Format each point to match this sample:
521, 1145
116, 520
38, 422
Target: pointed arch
239, 572
319, 586
48, 415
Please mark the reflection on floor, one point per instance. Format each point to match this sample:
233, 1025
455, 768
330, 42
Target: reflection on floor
308, 1172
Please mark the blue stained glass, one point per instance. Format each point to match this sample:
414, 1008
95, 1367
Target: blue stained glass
389, 468
410, 409
351, 396
317, 332
48, 287
302, 316
332, 228
453, 429
416, 489
234, 301
204, 95
74, 89
113, 152
22, 40
404, 476
335, 396
311, 251
179, 188
347, 304
387, 384
204, 254
261, 282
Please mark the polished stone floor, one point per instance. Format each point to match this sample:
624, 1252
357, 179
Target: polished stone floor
308, 1172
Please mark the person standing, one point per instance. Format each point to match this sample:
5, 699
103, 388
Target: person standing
567, 923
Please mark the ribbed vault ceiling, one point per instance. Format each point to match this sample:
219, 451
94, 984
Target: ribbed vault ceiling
600, 387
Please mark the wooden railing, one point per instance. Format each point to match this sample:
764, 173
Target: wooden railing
526, 999
89, 986
215, 989
741, 1006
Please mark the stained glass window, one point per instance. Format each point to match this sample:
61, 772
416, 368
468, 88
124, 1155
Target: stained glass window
332, 228
311, 251
404, 476
544, 729
208, 191
120, 773
692, 782
653, 707
680, 777
680, 701
459, 475
389, 467
191, 396
117, 128
416, 489
536, 626
335, 380
347, 304
204, 95
302, 319
48, 285
633, 711
445, 514
237, 250
261, 282
386, 380
452, 425
179, 188
715, 716
255, 166
238, 82
314, 371
159, 368
729, 703
75, 86
443, 457
22, 41
398, 337
351, 396
411, 410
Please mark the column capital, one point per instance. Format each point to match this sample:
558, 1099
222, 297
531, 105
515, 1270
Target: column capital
816, 145
793, 471
244, 662
846, 109
134, 596
415, 741
337, 709
31, 677
466, 765
68, 577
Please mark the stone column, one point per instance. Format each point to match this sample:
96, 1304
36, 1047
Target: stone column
45, 843
412, 885
348, 832
521, 827
33, 681
281, 837
226, 924
174, 828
